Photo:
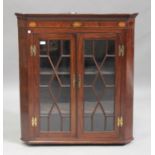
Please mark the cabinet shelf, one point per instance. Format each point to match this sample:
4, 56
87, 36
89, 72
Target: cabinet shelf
62, 71
46, 86
46, 56
65, 109
93, 70
47, 71
87, 72
92, 56
51, 73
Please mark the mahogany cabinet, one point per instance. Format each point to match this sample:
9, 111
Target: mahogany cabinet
76, 78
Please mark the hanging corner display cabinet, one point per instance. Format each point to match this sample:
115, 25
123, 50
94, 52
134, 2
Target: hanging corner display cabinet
76, 78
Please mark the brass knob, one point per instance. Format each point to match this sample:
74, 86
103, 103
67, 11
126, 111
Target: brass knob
77, 24
79, 81
32, 24
121, 24
74, 81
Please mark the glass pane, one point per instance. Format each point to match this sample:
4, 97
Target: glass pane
64, 66
43, 47
99, 83
55, 51
66, 47
88, 47
55, 85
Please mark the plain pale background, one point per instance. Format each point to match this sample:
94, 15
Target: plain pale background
141, 144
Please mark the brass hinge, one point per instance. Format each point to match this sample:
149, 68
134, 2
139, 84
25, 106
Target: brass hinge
34, 121
33, 50
120, 121
121, 51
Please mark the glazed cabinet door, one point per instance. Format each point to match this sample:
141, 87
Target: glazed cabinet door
55, 75
99, 85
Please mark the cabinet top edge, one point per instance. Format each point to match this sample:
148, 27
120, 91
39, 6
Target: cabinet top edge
76, 16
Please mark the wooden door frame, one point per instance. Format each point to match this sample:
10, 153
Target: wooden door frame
80, 93
76, 120
36, 105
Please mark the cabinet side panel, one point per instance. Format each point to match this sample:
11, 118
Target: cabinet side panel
129, 73
23, 70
